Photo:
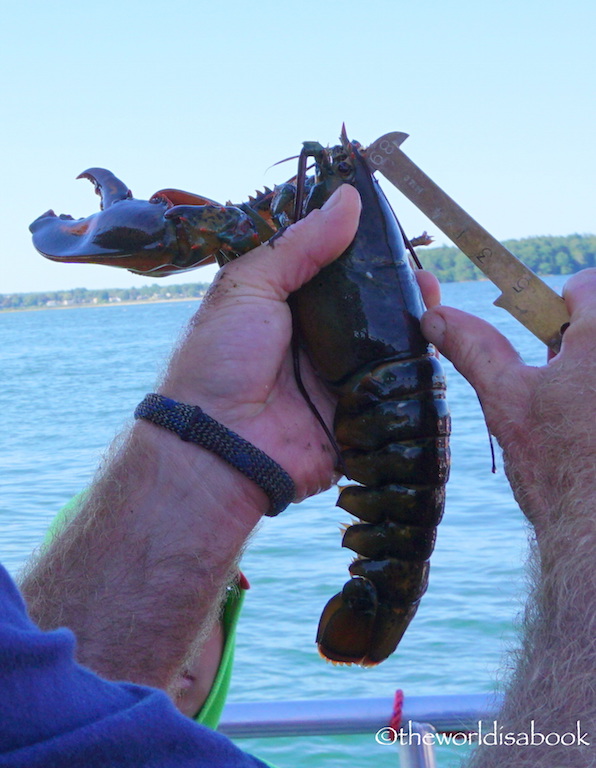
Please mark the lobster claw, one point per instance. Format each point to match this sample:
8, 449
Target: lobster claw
129, 233
126, 233
107, 186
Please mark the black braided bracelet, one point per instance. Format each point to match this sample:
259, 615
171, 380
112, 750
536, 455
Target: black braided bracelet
190, 423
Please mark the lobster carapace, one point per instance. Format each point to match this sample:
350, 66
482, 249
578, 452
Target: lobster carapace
358, 321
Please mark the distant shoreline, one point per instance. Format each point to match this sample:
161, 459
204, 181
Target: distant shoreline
544, 255
90, 305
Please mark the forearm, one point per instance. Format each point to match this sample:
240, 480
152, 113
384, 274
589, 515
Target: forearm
552, 688
541, 417
139, 573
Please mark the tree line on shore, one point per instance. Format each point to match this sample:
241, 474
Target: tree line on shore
93, 297
545, 255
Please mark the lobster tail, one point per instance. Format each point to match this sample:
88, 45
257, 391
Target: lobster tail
394, 431
347, 623
392, 422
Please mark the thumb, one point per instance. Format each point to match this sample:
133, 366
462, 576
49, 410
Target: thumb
283, 265
478, 351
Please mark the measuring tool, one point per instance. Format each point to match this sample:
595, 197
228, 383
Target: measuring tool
524, 294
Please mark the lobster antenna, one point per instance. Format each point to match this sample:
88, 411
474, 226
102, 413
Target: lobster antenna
409, 246
492, 452
285, 160
490, 442
299, 201
300, 183
303, 391
279, 162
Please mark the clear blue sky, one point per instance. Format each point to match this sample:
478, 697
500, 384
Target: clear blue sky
498, 98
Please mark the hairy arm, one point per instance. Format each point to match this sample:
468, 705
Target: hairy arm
138, 574
543, 420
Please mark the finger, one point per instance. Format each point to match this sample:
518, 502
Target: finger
579, 293
294, 258
429, 286
478, 351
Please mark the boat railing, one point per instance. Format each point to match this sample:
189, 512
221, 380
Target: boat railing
423, 717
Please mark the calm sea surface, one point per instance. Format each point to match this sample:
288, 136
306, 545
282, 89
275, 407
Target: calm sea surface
71, 381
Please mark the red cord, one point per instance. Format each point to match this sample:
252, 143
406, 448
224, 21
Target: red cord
398, 703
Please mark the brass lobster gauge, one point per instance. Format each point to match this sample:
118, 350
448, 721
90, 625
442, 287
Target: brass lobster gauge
536, 306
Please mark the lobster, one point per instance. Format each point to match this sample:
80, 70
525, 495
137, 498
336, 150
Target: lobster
392, 422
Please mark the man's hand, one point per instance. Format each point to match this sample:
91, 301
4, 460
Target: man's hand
236, 363
541, 416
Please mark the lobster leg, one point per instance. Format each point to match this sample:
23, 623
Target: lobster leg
225, 231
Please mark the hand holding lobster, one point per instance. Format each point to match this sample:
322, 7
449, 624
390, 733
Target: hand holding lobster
236, 363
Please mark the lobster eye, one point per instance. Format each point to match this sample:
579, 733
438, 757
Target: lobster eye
344, 168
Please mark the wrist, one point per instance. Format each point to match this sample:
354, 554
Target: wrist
560, 508
567, 531
190, 478
192, 425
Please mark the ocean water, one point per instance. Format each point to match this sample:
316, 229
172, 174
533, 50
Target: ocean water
71, 381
